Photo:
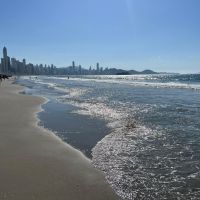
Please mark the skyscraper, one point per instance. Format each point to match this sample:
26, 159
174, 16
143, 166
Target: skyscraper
73, 64
5, 62
4, 52
79, 69
73, 67
14, 65
2, 65
97, 69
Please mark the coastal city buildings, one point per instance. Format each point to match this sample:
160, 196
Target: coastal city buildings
15, 67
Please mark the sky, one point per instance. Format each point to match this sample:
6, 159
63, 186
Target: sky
162, 35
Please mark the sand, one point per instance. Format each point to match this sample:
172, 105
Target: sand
34, 163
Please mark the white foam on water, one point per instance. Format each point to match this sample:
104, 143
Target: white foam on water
137, 169
132, 80
117, 151
72, 92
96, 110
139, 81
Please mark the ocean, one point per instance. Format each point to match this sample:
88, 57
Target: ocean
142, 131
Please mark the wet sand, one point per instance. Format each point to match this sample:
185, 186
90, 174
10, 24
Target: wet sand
34, 163
81, 131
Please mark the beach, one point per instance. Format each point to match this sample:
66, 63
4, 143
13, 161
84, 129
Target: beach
141, 131
36, 164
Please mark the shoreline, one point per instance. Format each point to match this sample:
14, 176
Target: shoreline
37, 163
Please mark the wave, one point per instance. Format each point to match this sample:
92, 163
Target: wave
155, 81
142, 163
116, 156
152, 81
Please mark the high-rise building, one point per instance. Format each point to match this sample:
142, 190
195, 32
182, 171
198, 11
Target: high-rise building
24, 61
5, 62
5, 52
14, 65
73, 64
2, 65
79, 69
24, 66
97, 68
73, 67
101, 70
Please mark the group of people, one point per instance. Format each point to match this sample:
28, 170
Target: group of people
3, 77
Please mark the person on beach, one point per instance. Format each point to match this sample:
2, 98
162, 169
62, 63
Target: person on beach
2, 76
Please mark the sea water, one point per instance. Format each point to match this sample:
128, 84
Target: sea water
142, 131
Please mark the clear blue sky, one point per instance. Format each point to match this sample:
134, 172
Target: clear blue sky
163, 35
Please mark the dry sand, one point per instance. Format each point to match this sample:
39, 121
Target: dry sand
34, 163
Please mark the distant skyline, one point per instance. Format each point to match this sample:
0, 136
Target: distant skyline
162, 35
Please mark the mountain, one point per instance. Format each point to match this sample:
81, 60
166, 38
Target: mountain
148, 71
131, 72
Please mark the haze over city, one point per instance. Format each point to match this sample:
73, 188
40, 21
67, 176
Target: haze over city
127, 34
